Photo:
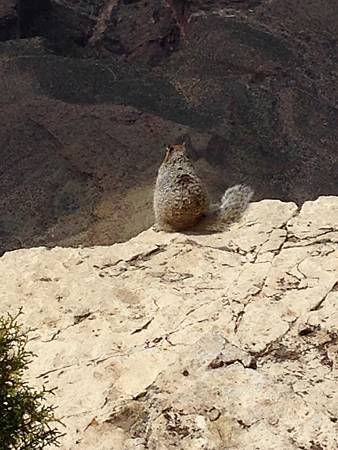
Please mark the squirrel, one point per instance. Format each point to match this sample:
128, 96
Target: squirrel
181, 200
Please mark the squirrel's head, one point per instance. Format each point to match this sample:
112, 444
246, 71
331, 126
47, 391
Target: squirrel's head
175, 152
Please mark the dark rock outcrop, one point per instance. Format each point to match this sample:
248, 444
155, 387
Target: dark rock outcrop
93, 91
8, 20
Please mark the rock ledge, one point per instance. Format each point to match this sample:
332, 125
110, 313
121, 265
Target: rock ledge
225, 341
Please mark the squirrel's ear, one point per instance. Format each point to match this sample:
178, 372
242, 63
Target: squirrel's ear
168, 152
183, 144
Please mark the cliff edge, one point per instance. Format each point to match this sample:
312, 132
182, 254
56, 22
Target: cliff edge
222, 341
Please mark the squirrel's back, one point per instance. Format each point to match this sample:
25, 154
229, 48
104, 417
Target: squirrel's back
181, 200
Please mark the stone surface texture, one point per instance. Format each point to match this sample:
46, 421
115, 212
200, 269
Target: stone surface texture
186, 341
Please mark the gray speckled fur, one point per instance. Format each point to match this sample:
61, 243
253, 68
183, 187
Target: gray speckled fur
234, 201
181, 200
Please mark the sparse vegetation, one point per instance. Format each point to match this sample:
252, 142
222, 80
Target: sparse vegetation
26, 421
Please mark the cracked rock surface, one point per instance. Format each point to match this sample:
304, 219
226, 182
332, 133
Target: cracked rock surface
224, 341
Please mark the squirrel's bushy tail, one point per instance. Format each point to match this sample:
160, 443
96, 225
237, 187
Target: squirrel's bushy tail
234, 202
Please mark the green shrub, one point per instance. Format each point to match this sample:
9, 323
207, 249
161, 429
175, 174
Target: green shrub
26, 422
